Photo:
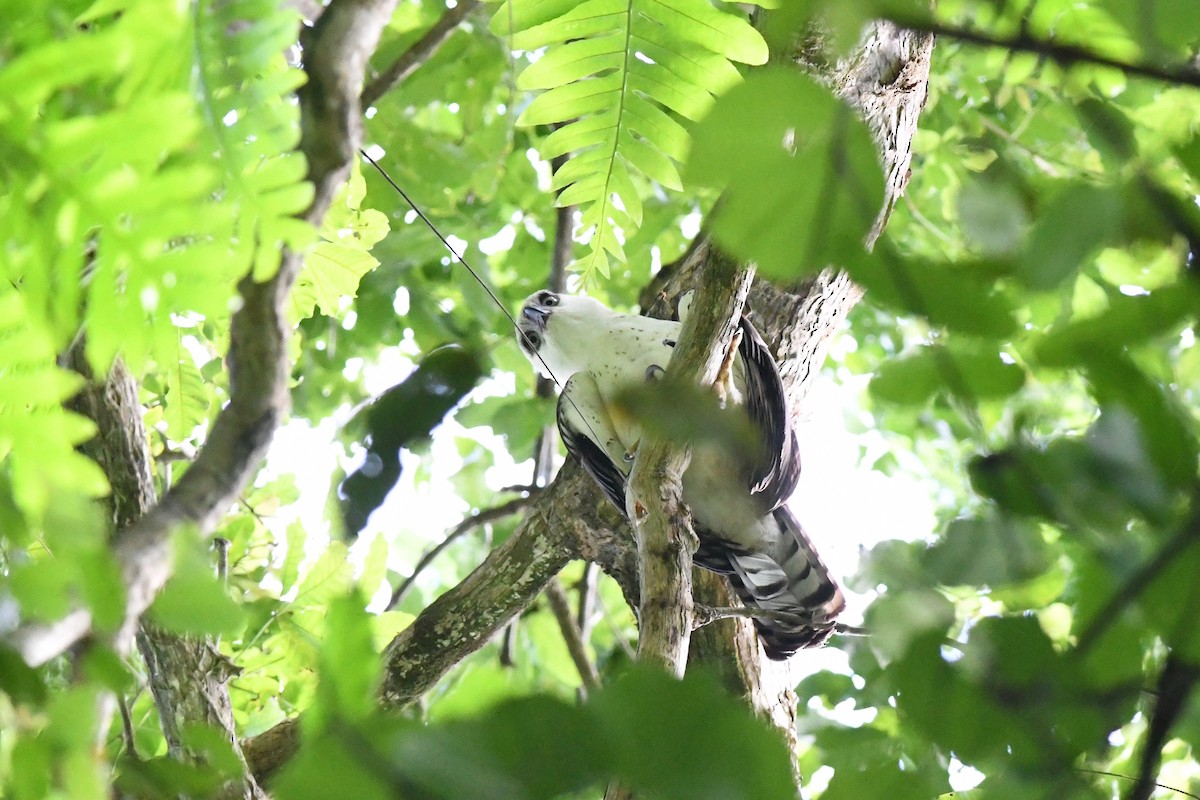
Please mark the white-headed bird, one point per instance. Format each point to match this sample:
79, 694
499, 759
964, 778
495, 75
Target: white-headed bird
745, 528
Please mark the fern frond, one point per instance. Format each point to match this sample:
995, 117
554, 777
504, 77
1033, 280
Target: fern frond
37, 435
149, 162
621, 75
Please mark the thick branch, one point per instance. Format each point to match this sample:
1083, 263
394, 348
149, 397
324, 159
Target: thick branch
412, 58
1175, 685
661, 526
335, 56
572, 515
463, 619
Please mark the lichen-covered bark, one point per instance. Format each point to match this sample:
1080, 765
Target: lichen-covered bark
887, 81
189, 680
463, 619
662, 526
187, 676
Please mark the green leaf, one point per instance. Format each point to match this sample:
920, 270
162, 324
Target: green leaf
1108, 129
1127, 321
970, 373
329, 577
901, 620
989, 551
1167, 431
186, 399
374, 568
1071, 226
350, 666
963, 297
619, 73
688, 740
195, 602
329, 765
800, 177
993, 217
336, 265
22, 683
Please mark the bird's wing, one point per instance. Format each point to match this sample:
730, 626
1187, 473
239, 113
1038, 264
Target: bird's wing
588, 433
776, 468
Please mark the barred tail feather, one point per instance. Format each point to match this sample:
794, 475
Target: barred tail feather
793, 585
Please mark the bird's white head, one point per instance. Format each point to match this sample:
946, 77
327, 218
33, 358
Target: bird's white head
557, 331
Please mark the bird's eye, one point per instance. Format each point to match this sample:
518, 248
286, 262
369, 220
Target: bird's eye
534, 339
549, 299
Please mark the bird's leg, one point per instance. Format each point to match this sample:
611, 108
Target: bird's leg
724, 382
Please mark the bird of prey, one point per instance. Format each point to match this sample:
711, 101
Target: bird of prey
738, 504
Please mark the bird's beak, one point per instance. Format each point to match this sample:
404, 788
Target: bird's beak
537, 316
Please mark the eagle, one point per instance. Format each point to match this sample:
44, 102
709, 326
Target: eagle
745, 529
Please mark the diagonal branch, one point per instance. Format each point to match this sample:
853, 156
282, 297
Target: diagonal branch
561, 519
336, 52
576, 646
466, 526
1175, 685
412, 58
1064, 54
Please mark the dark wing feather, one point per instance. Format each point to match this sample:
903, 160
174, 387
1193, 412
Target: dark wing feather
592, 457
773, 474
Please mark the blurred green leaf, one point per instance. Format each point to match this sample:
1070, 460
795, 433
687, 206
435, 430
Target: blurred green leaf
1070, 226
689, 415
963, 297
350, 665
800, 179
194, 601
989, 551
993, 217
967, 373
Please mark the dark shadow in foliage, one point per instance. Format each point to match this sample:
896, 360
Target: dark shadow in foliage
402, 415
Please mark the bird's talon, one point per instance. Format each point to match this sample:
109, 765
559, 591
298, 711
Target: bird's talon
654, 372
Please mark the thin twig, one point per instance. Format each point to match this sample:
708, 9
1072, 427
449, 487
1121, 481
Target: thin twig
1064, 54
222, 548
705, 615
470, 523
1129, 778
421, 51
586, 611
127, 728
617, 631
576, 646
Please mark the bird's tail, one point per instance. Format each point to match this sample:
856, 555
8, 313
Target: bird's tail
793, 586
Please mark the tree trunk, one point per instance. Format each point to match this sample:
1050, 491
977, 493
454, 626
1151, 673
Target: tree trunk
187, 676
886, 81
